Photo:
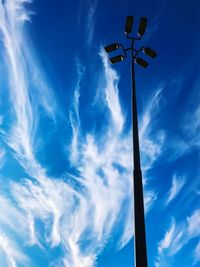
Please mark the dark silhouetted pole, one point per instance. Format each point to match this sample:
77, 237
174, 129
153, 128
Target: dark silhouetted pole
139, 218
140, 233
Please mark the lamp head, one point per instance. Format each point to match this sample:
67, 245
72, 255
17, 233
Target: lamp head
129, 24
142, 26
149, 52
112, 47
116, 59
141, 62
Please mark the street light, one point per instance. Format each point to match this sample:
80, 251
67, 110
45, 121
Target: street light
112, 47
142, 26
116, 59
148, 51
141, 62
129, 24
139, 218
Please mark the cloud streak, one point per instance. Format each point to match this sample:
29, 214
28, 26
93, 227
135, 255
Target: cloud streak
177, 236
11, 252
91, 20
176, 187
151, 143
24, 74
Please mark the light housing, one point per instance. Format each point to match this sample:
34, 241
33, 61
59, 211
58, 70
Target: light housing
149, 52
112, 47
142, 26
116, 59
129, 24
141, 62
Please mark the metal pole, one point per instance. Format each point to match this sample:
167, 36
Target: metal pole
140, 234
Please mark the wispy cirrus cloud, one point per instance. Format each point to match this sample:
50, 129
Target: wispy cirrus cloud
187, 141
24, 74
2, 157
11, 220
14, 234
176, 187
89, 19
151, 143
12, 255
192, 129
197, 253
112, 97
178, 236
74, 114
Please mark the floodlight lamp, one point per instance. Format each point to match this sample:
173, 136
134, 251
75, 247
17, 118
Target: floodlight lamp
112, 47
141, 62
129, 24
142, 26
116, 59
149, 52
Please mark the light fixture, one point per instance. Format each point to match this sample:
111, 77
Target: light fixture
129, 24
142, 26
116, 59
149, 52
112, 47
141, 62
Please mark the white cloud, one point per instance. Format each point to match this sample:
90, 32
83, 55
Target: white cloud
111, 91
197, 253
74, 115
190, 130
151, 142
90, 23
168, 238
178, 236
176, 187
24, 73
10, 215
194, 224
2, 157
12, 252
88, 18
11, 220
149, 199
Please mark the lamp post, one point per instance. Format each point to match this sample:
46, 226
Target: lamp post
139, 218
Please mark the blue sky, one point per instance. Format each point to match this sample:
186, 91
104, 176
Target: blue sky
65, 134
